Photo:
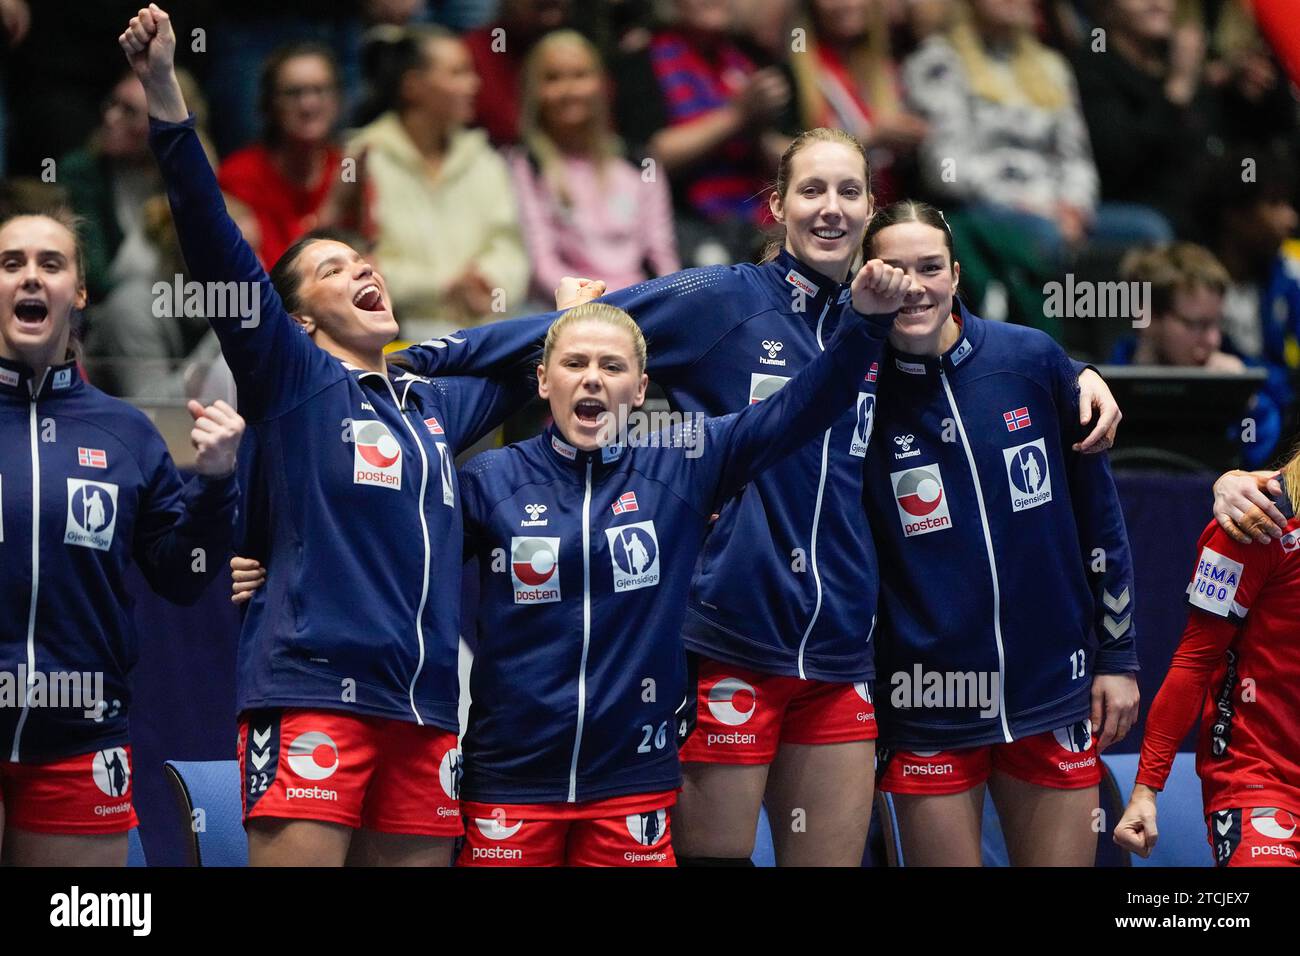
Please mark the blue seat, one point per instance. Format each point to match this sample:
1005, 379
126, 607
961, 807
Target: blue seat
215, 836
1181, 819
134, 848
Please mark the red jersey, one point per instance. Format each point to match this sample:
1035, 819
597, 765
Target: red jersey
284, 210
1242, 645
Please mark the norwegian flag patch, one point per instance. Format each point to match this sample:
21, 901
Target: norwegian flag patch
92, 458
875, 370
626, 502
1017, 419
434, 427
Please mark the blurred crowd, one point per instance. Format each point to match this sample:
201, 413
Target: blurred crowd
482, 149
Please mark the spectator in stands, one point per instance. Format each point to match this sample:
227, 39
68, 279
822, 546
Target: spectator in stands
1147, 113
15, 19
499, 50
287, 176
113, 185
846, 77
699, 101
444, 219
585, 209
1184, 327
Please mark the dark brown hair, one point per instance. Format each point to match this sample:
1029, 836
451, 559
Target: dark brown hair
907, 210
270, 78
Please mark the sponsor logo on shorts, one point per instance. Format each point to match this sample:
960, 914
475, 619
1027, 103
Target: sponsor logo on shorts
1273, 823
450, 771
927, 769
102, 811
496, 853
654, 857
92, 514
310, 793
1028, 476
647, 828
1214, 588
1273, 849
111, 770
922, 505
313, 756
865, 716
1291, 542
1076, 738
535, 570
732, 702
495, 828
711, 740
376, 456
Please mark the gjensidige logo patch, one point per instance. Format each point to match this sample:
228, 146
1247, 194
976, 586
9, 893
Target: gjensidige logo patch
92, 514
866, 417
1028, 477
376, 457
634, 555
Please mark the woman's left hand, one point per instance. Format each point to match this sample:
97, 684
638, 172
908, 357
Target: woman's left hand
1114, 707
216, 435
1094, 393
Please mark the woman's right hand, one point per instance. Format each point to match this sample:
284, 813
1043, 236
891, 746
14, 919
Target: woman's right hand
246, 576
150, 47
575, 291
1136, 830
1243, 508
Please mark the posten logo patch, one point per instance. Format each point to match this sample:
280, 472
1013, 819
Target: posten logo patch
92, 514
376, 457
535, 569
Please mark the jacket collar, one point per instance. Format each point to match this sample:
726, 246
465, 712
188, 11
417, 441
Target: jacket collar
967, 344
796, 279
569, 458
17, 379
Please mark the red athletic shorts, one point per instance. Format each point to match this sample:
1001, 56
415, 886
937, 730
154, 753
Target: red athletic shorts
744, 716
86, 794
1064, 759
621, 831
1254, 836
390, 776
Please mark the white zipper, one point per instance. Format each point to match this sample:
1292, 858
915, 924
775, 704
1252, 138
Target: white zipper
993, 569
36, 566
424, 530
586, 635
817, 516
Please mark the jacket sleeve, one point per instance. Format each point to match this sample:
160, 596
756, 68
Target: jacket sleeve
1103, 538
183, 532
736, 448
682, 315
476, 404
275, 365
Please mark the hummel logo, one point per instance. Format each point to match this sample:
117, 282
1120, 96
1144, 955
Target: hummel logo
904, 441
773, 347
535, 513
